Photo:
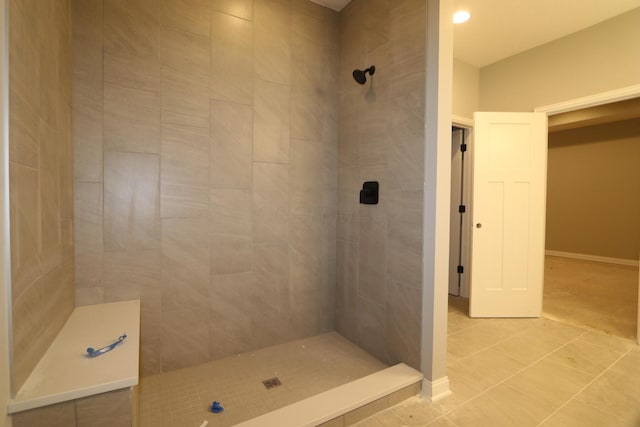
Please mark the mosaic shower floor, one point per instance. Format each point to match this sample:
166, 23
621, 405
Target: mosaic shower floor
305, 367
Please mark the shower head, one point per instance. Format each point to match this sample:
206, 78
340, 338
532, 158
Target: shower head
361, 76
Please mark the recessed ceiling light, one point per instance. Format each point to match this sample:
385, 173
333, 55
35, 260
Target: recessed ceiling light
461, 16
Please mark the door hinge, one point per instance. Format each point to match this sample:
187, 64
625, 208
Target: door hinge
462, 209
463, 147
460, 269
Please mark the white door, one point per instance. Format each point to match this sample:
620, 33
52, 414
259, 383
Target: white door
509, 205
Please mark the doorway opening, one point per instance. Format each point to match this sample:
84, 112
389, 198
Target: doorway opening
593, 207
619, 112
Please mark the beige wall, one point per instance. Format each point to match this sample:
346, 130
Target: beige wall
466, 89
593, 195
205, 137
598, 59
382, 139
40, 178
5, 281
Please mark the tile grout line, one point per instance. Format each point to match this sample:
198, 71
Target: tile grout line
585, 387
494, 344
513, 375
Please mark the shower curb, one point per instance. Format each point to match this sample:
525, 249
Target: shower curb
346, 404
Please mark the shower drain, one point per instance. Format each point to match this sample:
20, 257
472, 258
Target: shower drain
271, 383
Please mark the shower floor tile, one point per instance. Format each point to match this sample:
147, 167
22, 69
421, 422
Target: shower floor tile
305, 367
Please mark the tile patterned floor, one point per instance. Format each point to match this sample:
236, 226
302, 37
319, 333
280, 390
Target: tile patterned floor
597, 295
305, 368
528, 372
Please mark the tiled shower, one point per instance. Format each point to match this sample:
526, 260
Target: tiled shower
219, 147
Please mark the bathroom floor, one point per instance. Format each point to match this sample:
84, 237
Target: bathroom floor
592, 294
528, 372
306, 367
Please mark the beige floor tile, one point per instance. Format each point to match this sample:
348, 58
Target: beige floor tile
484, 369
477, 338
416, 411
442, 422
502, 406
539, 341
617, 393
585, 356
608, 341
579, 414
549, 384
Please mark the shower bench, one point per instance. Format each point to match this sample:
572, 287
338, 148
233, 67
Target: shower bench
69, 389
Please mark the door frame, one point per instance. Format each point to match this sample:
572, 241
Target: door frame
467, 125
616, 95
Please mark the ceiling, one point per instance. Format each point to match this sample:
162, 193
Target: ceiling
502, 28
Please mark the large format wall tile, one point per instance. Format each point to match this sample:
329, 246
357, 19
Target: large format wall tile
270, 202
271, 120
206, 211
131, 120
185, 264
89, 242
131, 201
231, 145
186, 15
381, 138
272, 19
231, 58
184, 171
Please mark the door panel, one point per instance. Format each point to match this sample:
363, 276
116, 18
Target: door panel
509, 195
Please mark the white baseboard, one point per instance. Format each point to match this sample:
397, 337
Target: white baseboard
595, 258
437, 390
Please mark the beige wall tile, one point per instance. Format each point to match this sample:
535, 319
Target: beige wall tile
270, 202
132, 27
230, 299
112, 409
404, 315
185, 264
184, 100
231, 145
272, 26
28, 332
133, 275
271, 277
87, 89
230, 212
372, 258
25, 234
49, 190
187, 54
183, 201
271, 121
131, 201
89, 296
185, 338
184, 169
240, 8
59, 298
131, 120
131, 71
187, 15
231, 58
230, 254
23, 131
88, 234
87, 139
60, 415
